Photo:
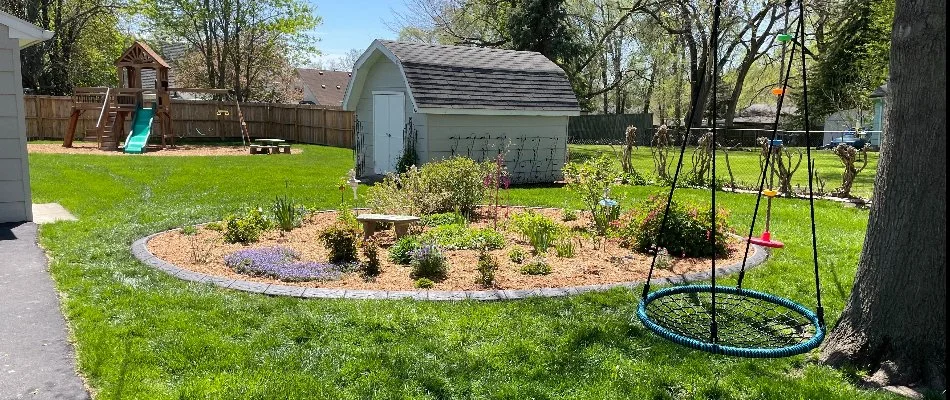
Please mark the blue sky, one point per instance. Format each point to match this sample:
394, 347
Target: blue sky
353, 24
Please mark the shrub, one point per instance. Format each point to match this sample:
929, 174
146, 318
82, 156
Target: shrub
280, 263
451, 218
340, 240
287, 213
564, 247
345, 216
424, 283
455, 184
686, 233
516, 255
214, 226
401, 251
189, 230
536, 267
428, 261
591, 180
458, 237
487, 265
371, 253
245, 228
536, 229
568, 214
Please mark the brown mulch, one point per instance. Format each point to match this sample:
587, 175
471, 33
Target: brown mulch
178, 150
600, 262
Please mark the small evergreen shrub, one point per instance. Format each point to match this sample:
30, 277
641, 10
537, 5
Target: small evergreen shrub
516, 255
340, 240
536, 267
428, 261
246, 228
536, 229
424, 283
487, 265
401, 251
686, 233
370, 267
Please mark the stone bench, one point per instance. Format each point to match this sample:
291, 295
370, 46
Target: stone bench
400, 223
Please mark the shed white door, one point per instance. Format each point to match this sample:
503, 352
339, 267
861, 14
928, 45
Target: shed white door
389, 116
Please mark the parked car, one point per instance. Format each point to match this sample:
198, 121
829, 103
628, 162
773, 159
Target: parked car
849, 138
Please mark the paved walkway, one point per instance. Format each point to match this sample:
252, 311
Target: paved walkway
36, 360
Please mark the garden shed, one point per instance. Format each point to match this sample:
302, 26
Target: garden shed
444, 101
15, 34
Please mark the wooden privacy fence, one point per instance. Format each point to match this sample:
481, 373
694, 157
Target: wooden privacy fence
47, 117
609, 128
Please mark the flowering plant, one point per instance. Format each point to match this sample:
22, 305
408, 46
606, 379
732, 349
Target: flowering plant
280, 263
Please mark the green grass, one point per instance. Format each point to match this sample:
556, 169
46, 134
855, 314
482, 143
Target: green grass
144, 335
745, 166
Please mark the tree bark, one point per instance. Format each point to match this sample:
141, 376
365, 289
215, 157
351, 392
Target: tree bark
893, 325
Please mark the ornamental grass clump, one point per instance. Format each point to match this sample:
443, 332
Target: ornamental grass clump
428, 261
287, 214
280, 263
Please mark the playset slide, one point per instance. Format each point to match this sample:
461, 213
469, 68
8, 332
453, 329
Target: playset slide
141, 128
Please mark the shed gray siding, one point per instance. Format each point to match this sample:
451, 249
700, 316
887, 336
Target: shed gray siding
535, 147
384, 75
15, 202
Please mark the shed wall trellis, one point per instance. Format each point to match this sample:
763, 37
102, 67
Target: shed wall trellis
47, 117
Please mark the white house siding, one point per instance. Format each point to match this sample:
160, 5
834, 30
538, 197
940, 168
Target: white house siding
384, 75
14, 163
535, 146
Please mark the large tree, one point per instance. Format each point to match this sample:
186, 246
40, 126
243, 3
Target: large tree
894, 324
84, 45
244, 45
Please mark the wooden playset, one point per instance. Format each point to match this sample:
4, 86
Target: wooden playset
147, 103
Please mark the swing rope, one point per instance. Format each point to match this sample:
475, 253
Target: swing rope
778, 113
732, 320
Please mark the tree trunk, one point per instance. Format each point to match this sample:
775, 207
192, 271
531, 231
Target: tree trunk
894, 323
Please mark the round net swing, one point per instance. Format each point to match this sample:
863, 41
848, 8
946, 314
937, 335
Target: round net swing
737, 321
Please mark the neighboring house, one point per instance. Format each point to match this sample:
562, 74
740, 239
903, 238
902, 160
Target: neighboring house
453, 100
845, 121
325, 88
761, 115
15, 202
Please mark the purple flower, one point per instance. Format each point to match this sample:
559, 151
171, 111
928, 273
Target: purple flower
280, 263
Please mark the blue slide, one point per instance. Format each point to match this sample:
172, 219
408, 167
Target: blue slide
141, 128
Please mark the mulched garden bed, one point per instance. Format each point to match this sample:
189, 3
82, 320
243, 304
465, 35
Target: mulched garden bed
595, 262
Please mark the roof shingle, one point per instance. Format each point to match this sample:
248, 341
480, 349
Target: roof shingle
328, 87
479, 78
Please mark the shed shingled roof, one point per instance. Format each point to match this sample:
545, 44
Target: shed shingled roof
480, 78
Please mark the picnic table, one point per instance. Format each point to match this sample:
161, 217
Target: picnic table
270, 146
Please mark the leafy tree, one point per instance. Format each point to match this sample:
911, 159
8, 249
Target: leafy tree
85, 43
855, 60
243, 45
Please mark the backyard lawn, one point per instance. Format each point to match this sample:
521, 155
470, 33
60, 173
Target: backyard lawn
745, 166
142, 334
